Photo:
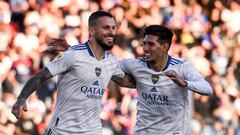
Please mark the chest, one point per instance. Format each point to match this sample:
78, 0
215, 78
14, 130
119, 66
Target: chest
157, 86
90, 69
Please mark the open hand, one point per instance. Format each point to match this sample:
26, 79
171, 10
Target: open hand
176, 78
57, 44
19, 108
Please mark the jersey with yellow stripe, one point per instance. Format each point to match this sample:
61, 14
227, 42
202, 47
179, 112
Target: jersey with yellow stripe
163, 108
81, 85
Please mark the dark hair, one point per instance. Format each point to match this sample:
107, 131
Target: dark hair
95, 15
163, 33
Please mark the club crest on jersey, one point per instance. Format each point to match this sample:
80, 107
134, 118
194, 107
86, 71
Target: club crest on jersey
155, 78
98, 71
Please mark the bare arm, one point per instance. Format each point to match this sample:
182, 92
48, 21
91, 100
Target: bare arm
126, 81
32, 84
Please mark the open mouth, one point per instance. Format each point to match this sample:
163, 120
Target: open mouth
110, 38
147, 54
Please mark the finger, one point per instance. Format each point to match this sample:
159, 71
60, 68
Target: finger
19, 116
48, 39
169, 74
50, 48
54, 42
173, 77
15, 109
15, 112
50, 43
61, 38
20, 113
25, 108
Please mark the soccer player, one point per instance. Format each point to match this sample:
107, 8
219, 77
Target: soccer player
164, 85
84, 73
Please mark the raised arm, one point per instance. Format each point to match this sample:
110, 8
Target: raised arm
127, 81
33, 84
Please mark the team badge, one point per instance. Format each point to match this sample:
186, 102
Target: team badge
98, 71
155, 78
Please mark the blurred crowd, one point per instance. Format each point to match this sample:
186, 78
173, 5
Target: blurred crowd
207, 32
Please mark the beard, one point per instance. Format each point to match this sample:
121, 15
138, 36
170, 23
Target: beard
104, 45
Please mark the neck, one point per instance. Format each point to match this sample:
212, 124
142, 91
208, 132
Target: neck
97, 50
158, 64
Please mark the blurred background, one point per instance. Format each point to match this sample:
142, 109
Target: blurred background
207, 32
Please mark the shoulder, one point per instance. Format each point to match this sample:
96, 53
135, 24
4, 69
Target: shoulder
134, 62
111, 57
78, 47
141, 59
177, 61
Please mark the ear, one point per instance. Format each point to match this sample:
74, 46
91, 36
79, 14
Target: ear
91, 30
165, 47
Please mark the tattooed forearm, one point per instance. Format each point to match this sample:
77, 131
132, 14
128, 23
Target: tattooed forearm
34, 83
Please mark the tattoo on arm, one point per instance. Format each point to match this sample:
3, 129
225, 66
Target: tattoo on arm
34, 83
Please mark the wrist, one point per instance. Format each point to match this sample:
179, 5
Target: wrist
185, 84
21, 99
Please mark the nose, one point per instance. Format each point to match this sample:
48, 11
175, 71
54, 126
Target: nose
112, 31
145, 47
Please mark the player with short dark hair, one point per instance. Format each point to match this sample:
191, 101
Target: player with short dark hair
84, 72
164, 85
92, 21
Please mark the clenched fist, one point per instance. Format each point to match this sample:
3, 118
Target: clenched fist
19, 108
176, 78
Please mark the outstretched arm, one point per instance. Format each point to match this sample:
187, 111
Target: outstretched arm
58, 44
126, 81
32, 84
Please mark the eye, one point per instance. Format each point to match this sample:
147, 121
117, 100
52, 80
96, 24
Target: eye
105, 27
150, 44
142, 43
113, 27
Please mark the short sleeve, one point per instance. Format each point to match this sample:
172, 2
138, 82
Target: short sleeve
62, 63
119, 73
125, 65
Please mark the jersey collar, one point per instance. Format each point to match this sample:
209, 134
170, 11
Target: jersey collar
87, 44
89, 49
166, 64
